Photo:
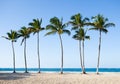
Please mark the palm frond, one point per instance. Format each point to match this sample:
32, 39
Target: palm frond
9, 34
31, 24
109, 25
93, 29
89, 24
34, 33
74, 28
105, 19
5, 37
75, 37
51, 32
22, 41
51, 27
72, 23
40, 21
104, 30
67, 32
87, 37
85, 20
93, 17
41, 29
64, 26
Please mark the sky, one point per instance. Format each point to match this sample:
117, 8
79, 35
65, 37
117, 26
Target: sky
15, 14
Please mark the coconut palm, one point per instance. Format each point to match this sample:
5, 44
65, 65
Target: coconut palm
78, 22
25, 33
36, 28
81, 36
57, 26
12, 36
100, 24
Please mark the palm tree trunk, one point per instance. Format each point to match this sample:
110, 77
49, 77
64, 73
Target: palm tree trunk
38, 52
61, 54
13, 57
25, 56
83, 58
80, 56
99, 53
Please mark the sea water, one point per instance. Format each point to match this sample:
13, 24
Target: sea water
59, 69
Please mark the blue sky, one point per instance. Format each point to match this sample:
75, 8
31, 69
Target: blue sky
17, 13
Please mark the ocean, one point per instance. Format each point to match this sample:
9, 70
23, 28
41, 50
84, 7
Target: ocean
58, 70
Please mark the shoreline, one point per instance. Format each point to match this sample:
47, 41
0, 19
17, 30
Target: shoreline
57, 78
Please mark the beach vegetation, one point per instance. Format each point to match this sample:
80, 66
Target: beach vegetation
12, 36
78, 23
100, 23
24, 32
57, 26
36, 28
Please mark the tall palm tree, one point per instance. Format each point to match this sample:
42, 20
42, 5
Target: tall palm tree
57, 26
78, 22
12, 36
36, 28
25, 33
100, 24
81, 36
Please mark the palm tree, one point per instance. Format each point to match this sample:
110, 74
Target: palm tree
36, 28
25, 33
57, 26
78, 22
81, 36
12, 36
100, 24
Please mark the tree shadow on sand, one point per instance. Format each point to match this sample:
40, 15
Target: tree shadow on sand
14, 76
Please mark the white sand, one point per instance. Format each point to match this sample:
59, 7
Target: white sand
56, 78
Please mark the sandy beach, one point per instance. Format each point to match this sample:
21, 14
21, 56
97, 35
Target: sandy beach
56, 78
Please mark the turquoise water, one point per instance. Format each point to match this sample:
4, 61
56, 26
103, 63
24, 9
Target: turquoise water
58, 69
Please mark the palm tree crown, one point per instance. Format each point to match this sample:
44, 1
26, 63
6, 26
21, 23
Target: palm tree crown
25, 33
77, 21
100, 23
36, 25
81, 35
12, 35
57, 26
